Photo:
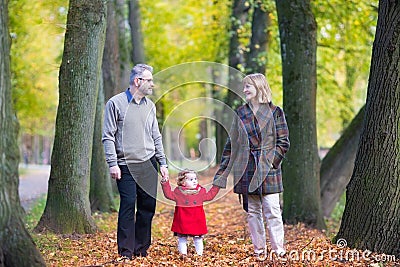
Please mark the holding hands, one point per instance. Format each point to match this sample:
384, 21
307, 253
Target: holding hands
164, 174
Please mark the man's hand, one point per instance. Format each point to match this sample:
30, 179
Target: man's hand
115, 172
164, 172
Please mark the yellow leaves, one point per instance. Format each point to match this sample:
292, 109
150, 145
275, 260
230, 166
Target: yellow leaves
35, 55
177, 32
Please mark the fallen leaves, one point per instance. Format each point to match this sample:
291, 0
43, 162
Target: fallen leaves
226, 244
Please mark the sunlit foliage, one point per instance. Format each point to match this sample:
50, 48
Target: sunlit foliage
346, 32
176, 32
37, 31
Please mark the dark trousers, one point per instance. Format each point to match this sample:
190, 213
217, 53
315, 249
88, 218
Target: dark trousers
138, 185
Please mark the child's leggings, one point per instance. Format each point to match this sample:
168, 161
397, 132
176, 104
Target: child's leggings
198, 244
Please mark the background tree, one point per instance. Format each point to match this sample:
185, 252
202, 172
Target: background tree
337, 166
67, 208
247, 51
101, 186
238, 21
111, 66
175, 33
346, 31
101, 191
257, 50
117, 50
125, 46
36, 54
15, 240
138, 55
371, 219
297, 28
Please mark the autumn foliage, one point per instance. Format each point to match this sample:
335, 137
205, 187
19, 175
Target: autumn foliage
226, 244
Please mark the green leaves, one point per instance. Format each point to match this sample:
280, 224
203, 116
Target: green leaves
177, 32
35, 57
345, 34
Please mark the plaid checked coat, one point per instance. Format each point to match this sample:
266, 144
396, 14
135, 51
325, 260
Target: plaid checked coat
254, 150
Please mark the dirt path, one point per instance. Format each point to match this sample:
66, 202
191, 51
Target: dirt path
33, 184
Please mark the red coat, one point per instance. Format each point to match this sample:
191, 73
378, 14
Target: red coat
189, 216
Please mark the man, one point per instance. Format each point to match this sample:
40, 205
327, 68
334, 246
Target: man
133, 146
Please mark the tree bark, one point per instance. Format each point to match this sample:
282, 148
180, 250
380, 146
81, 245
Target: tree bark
240, 13
138, 55
257, 55
297, 29
371, 218
68, 208
125, 46
15, 241
337, 166
116, 58
111, 60
101, 194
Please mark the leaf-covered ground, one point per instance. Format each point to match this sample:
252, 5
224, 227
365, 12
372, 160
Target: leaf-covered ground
226, 244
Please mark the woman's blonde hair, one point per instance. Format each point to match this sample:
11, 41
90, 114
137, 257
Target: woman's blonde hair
259, 81
182, 176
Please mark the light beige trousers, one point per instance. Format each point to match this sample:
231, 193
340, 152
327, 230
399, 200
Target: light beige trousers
267, 205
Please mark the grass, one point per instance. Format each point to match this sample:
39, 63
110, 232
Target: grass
34, 214
333, 223
22, 171
337, 212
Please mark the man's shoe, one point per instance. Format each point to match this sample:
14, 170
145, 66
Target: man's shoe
124, 259
142, 254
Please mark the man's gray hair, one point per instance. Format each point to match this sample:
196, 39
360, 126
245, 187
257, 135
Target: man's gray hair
137, 71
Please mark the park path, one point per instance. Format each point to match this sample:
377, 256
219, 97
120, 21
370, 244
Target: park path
33, 184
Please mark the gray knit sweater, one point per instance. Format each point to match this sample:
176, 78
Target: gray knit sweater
130, 132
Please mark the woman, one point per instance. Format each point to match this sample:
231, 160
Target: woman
261, 139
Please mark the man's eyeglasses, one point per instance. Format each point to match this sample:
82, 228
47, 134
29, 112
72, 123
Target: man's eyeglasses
146, 80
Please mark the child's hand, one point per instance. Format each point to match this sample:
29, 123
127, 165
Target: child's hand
164, 179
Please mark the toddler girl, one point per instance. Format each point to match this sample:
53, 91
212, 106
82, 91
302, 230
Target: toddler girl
189, 216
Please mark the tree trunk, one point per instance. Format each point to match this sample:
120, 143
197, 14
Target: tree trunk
297, 28
111, 65
101, 195
240, 13
257, 55
371, 218
116, 57
138, 55
337, 166
125, 46
68, 208
15, 241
